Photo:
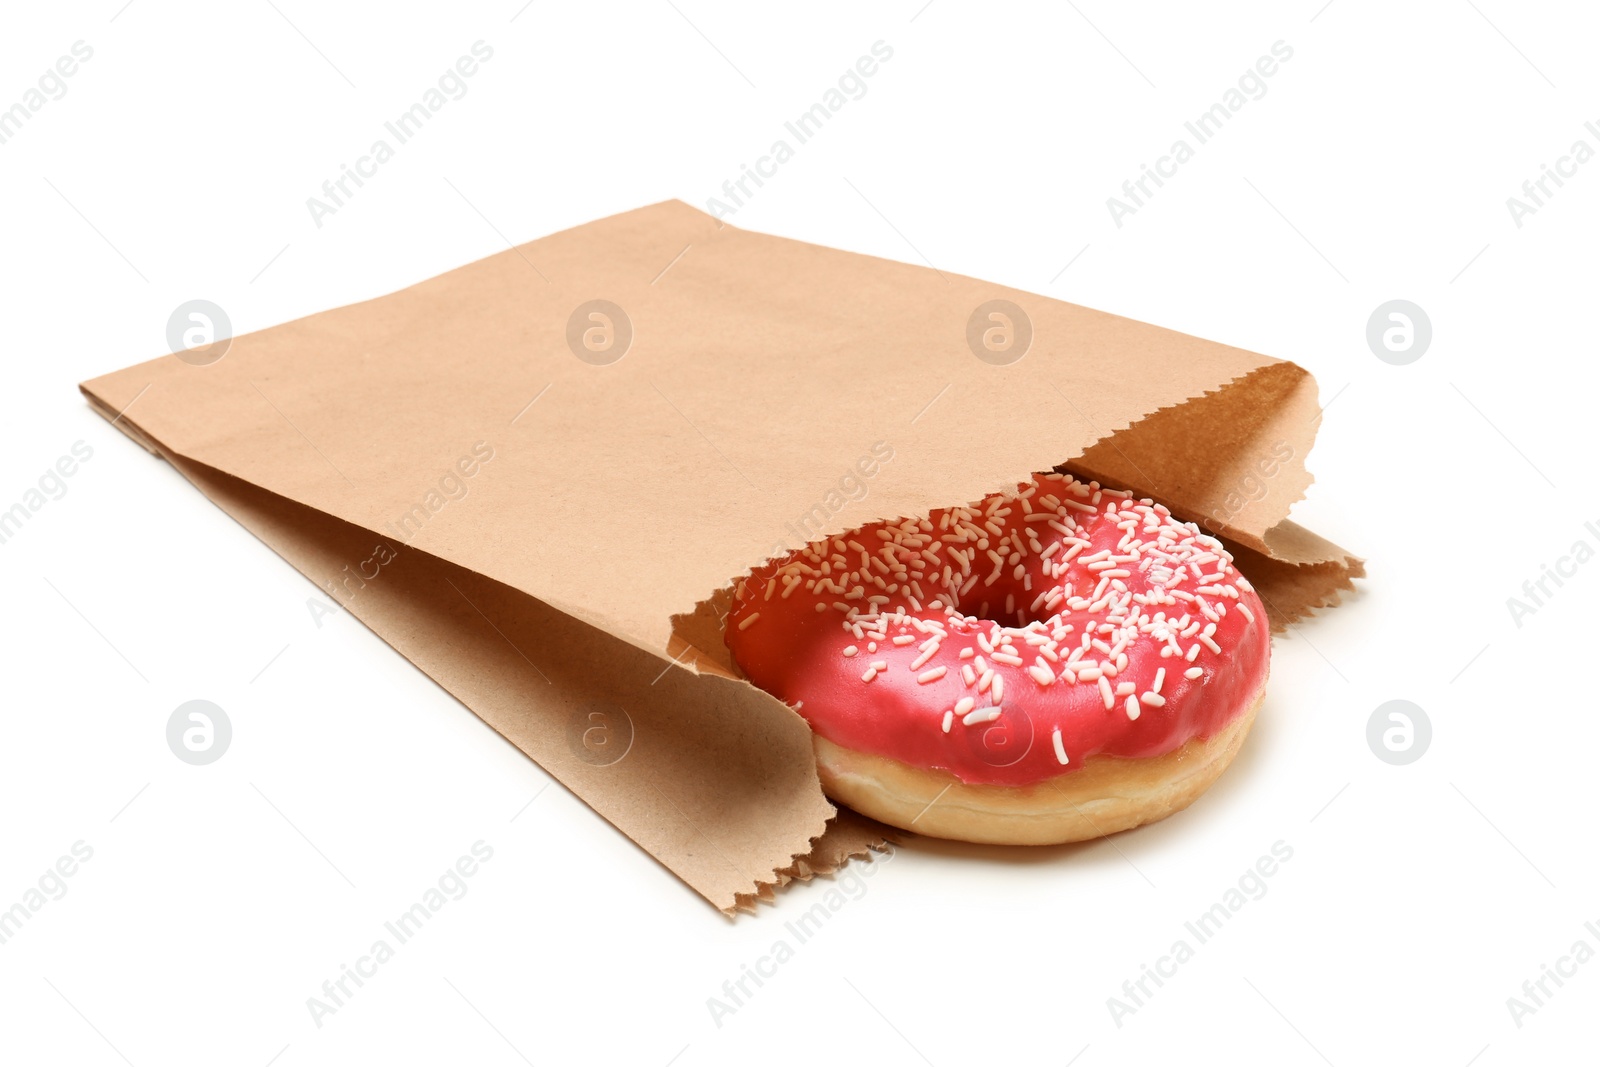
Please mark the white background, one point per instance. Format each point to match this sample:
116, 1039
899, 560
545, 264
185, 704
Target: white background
1377, 166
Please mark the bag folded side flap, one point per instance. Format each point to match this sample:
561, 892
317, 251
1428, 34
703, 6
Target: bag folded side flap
712, 777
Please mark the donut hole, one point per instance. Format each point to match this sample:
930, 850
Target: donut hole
991, 606
989, 603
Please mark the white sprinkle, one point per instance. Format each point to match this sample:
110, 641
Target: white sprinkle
1153, 700
930, 675
947, 720
748, 619
850, 650
1194, 650
1161, 676
870, 674
1193, 673
997, 687
964, 705
972, 718
1106, 694
1133, 707
879, 665
1248, 614
1061, 752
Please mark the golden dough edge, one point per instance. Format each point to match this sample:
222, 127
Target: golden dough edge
1106, 795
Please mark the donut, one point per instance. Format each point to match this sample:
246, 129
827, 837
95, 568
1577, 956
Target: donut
1053, 663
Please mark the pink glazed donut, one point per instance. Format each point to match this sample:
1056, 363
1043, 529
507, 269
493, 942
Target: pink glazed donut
1050, 664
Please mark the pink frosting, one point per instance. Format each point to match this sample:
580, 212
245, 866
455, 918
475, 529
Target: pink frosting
1026, 613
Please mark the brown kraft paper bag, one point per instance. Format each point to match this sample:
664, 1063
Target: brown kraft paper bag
557, 462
